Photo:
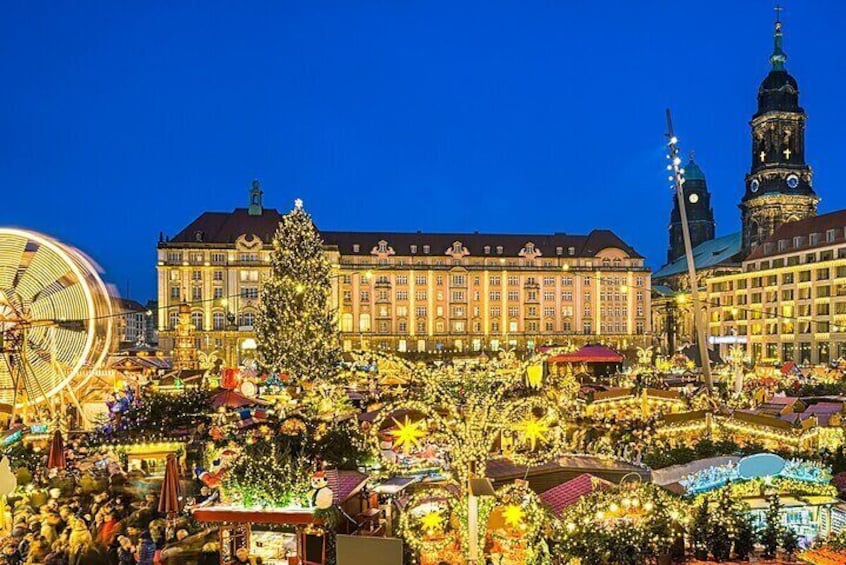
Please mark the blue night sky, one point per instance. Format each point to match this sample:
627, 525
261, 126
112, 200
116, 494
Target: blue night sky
124, 119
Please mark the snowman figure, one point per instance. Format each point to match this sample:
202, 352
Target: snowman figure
321, 495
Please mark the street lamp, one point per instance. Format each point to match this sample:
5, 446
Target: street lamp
678, 183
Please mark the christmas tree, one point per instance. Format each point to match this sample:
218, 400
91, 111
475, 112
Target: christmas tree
772, 532
295, 329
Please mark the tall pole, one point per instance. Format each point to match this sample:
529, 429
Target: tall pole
678, 181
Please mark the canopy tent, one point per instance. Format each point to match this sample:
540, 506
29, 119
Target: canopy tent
588, 354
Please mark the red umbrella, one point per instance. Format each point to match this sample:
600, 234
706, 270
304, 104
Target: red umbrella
56, 459
169, 503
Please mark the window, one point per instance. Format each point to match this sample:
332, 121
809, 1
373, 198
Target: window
459, 280
218, 258
402, 279
458, 296
439, 280
356, 248
420, 295
196, 276
496, 281
413, 249
197, 320
174, 292
364, 296
439, 311
218, 320
174, 257
420, 279
425, 249
197, 293
402, 295
487, 250
218, 292
548, 296
347, 322
248, 257
249, 276
364, 322
549, 311
249, 293
496, 312
172, 320
499, 250
513, 295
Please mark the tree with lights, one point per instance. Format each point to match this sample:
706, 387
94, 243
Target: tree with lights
296, 331
772, 533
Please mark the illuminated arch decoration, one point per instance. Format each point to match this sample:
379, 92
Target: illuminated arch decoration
430, 521
410, 436
56, 318
533, 432
515, 524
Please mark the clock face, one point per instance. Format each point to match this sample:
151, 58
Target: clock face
694, 198
792, 181
753, 186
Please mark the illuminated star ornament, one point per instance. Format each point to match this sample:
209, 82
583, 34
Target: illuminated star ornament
298, 204
533, 431
432, 522
513, 515
408, 434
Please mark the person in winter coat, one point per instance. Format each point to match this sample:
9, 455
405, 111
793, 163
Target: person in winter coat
146, 549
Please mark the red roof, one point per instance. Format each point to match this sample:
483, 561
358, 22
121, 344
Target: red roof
588, 354
345, 484
566, 494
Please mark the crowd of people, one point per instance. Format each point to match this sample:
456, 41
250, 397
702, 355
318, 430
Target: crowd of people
117, 523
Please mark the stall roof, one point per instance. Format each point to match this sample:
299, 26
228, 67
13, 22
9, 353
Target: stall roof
588, 354
241, 515
558, 498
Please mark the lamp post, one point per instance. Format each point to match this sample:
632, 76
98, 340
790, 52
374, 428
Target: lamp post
678, 183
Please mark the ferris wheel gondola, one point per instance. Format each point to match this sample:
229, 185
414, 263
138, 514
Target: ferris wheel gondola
55, 319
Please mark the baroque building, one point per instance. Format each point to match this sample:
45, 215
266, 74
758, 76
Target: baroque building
779, 184
410, 292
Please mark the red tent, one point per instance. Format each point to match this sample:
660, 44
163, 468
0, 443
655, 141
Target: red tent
588, 354
56, 458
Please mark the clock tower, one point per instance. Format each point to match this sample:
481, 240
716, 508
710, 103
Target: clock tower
700, 215
779, 184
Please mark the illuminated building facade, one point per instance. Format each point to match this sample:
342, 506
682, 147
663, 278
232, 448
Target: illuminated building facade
789, 301
412, 292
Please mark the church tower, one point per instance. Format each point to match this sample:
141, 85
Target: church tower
700, 215
778, 186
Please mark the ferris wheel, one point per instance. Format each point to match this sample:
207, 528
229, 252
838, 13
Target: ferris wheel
55, 320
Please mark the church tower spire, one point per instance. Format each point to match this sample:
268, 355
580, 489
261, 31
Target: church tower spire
700, 215
779, 183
